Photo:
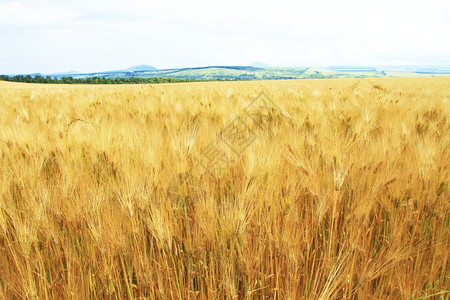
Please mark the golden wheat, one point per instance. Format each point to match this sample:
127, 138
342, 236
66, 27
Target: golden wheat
338, 190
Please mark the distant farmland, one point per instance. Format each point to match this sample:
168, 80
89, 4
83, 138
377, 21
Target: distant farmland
270, 73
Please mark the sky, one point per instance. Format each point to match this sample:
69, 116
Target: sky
49, 36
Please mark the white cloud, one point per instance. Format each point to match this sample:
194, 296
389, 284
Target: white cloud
50, 36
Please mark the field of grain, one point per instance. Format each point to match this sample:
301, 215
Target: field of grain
325, 189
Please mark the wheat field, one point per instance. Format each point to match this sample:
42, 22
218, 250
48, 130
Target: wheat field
296, 189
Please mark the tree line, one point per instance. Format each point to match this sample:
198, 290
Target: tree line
89, 80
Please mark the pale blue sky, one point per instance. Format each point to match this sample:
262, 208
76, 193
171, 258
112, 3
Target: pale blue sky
51, 36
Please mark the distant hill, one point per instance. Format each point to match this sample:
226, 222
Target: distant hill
140, 68
137, 68
260, 65
65, 73
352, 69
